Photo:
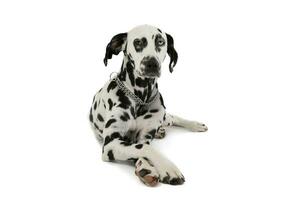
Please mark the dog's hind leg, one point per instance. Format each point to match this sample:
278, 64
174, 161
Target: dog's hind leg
194, 126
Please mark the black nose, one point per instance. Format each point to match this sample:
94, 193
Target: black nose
151, 65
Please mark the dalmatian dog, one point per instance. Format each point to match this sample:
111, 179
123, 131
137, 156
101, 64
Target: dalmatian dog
128, 112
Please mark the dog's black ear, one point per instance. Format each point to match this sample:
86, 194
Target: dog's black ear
171, 52
115, 46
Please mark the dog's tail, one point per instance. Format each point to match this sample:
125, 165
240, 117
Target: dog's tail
173, 120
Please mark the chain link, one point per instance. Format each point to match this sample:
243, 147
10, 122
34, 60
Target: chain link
131, 94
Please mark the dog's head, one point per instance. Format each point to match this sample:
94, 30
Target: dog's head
146, 48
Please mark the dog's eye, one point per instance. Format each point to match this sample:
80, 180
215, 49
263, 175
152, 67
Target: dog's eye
140, 44
160, 42
137, 42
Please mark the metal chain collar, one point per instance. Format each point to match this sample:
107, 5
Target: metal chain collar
130, 93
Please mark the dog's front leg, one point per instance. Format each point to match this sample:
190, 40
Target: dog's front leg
117, 149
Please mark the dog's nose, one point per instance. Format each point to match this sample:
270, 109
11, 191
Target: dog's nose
151, 65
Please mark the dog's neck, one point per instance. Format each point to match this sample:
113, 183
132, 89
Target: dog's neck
143, 87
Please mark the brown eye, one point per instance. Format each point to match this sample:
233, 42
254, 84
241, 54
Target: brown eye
137, 42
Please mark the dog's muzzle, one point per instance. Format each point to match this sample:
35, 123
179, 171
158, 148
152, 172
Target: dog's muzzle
151, 66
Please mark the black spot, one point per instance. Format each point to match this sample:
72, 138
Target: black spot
110, 155
147, 142
133, 112
152, 133
137, 136
153, 111
101, 131
161, 100
125, 51
93, 99
166, 179
144, 172
176, 181
140, 44
146, 159
141, 111
127, 139
126, 143
130, 71
109, 122
123, 99
95, 105
147, 116
115, 135
159, 30
112, 85
148, 136
140, 82
145, 93
122, 75
110, 102
100, 118
96, 126
90, 116
107, 140
110, 138
149, 92
125, 116
144, 41
139, 146
138, 93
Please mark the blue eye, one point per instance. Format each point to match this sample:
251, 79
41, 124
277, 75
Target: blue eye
160, 42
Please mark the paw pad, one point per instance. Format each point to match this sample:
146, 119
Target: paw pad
146, 172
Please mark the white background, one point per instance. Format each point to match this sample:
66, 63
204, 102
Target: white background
229, 75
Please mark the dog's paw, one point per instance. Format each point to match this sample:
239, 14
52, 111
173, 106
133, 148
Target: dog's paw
169, 173
161, 133
146, 172
195, 126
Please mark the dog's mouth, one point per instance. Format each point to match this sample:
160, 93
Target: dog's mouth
150, 74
